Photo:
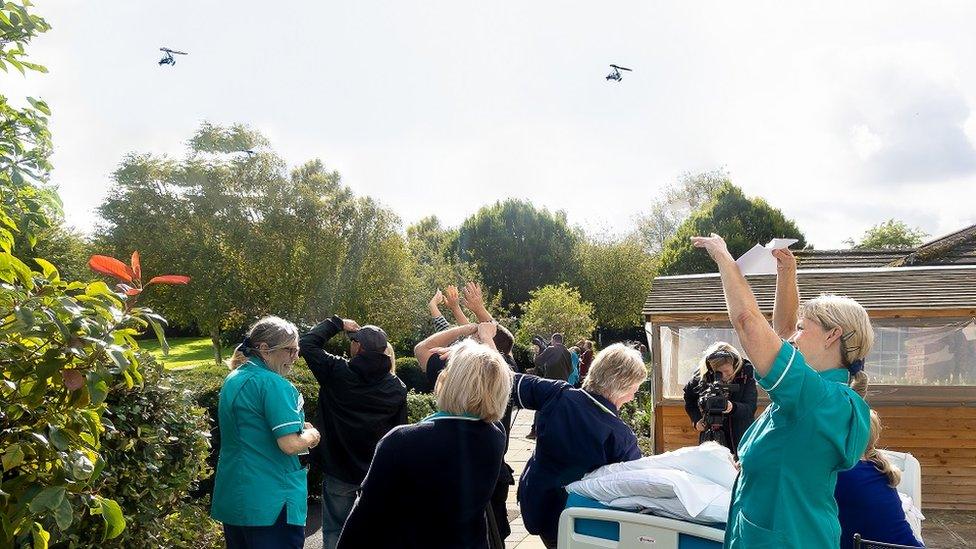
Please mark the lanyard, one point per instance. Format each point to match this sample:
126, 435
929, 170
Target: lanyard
445, 415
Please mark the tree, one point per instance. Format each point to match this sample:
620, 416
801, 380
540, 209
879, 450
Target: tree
258, 240
676, 204
437, 265
741, 221
890, 235
518, 247
616, 275
66, 249
554, 309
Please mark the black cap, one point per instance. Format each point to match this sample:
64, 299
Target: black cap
370, 338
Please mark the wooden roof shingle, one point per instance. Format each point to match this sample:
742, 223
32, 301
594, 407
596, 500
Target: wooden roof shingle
877, 289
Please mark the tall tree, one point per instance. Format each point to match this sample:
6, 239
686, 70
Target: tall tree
616, 275
741, 221
676, 204
889, 235
258, 240
518, 247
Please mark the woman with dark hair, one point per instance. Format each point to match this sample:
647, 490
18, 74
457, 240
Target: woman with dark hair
722, 363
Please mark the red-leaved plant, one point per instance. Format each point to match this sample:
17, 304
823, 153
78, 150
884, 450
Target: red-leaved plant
130, 276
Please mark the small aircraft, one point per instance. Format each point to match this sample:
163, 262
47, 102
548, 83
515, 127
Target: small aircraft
615, 75
169, 59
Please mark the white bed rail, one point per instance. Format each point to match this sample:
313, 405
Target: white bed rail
637, 531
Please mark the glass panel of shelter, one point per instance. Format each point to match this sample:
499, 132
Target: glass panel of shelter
919, 351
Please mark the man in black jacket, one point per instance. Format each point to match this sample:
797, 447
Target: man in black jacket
555, 362
360, 400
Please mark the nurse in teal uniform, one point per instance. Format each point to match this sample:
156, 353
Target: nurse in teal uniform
817, 423
260, 490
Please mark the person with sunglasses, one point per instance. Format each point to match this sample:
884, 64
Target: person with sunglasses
360, 400
260, 491
817, 424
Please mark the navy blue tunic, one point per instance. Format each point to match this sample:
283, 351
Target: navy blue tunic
867, 505
578, 432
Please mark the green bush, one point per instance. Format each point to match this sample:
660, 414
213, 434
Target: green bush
419, 406
639, 413
155, 447
409, 372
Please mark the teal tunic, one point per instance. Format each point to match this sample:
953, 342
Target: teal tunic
255, 479
815, 427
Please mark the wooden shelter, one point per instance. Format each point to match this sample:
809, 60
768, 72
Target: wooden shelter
922, 303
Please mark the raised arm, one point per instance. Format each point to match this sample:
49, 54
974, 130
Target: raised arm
453, 300
759, 341
475, 301
436, 300
787, 303
425, 348
311, 346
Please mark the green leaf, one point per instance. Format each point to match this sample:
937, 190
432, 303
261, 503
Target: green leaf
49, 498
13, 457
41, 536
63, 514
49, 270
112, 514
58, 439
97, 389
160, 335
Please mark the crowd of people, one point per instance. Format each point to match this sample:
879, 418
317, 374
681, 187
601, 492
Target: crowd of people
808, 465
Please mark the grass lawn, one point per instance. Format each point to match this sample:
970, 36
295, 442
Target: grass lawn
184, 352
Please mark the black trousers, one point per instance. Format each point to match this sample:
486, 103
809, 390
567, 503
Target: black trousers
279, 535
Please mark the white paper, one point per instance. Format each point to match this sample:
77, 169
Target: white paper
759, 260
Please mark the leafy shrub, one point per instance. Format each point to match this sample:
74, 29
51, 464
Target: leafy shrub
639, 413
419, 406
523, 356
409, 372
554, 309
155, 447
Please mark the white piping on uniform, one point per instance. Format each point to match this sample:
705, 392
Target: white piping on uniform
787, 369
276, 427
598, 403
518, 387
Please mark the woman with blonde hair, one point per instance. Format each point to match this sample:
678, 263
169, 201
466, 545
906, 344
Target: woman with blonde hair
722, 363
439, 474
867, 500
260, 490
579, 430
816, 426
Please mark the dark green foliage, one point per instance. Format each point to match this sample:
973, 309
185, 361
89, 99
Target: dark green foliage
517, 248
410, 374
741, 221
523, 356
639, 415
419, 406
155, 449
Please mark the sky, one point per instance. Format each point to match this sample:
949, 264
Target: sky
840, 114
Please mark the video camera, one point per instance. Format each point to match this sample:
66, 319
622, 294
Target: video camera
713, 399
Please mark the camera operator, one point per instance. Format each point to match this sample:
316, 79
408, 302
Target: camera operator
721, 397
